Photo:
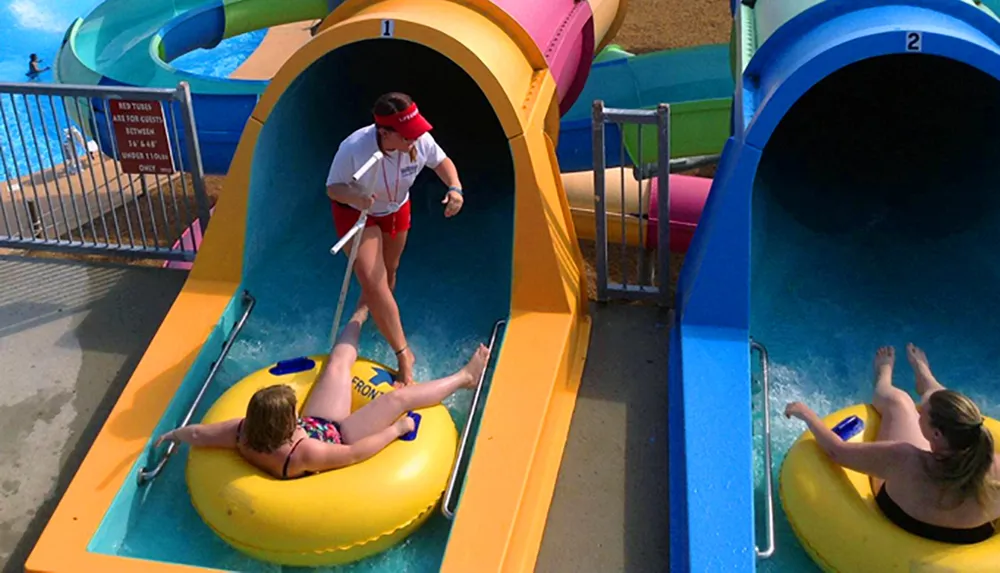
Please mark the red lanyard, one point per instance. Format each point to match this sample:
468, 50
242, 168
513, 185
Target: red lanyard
385, 178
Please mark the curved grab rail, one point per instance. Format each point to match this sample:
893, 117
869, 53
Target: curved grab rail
147, 474
765, 380
450, 495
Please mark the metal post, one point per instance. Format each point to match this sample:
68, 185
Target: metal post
451, 493
600, 211
148, 474
663, 202
645, 269
194, 155
768, 551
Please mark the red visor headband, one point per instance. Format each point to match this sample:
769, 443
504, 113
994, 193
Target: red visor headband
397, 118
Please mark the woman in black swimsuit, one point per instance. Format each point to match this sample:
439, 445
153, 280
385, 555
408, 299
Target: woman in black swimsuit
325, 435
937, 461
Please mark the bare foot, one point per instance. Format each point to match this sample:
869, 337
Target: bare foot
885, 357
925, 381
360, 314
474, 369
405, 361
362, 303
916, 357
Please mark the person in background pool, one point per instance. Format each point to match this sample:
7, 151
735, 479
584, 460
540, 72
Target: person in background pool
937, 460
35, 66
402, 134
326, 435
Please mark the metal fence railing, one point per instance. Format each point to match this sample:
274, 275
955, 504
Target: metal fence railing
624, 205
108, 170
632, 202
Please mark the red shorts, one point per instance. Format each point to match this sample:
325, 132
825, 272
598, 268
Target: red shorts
345, 217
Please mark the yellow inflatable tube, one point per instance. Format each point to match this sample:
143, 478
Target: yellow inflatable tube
329, 518
833, 512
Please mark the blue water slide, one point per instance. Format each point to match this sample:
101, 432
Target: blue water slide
712, 523
203, 27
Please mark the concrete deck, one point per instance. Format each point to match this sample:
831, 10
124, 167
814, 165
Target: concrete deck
609, 511
70, 336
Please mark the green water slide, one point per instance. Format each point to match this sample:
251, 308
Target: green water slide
696, 82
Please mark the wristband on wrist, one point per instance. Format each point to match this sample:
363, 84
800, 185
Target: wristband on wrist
456, 189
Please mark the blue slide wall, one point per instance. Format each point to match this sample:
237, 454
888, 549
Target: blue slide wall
711, 490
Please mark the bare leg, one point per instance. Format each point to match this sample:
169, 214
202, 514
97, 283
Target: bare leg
331, 395
900, 421
926, 383
369, 266
387, 408
392, 252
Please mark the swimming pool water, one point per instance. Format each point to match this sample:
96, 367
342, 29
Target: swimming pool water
38, 26
32, 26
223, 59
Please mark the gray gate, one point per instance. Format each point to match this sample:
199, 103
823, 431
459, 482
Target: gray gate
632, 206
105, 170
648, 282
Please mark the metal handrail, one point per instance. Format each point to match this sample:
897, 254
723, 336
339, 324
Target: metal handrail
146, 474
649, 169
450, 494
769, 551
31, 88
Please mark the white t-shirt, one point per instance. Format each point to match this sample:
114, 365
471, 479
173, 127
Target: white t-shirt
381, 179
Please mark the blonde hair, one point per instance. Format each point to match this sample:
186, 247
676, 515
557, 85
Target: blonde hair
270, 420
965, 466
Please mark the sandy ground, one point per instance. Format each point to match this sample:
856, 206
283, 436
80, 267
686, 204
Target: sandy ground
652, 25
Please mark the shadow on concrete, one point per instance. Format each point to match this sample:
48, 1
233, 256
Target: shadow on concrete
113, 313
39, 291
609, 510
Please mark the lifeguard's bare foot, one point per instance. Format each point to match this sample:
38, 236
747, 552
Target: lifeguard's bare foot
473, 370
885, 358
405, 361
